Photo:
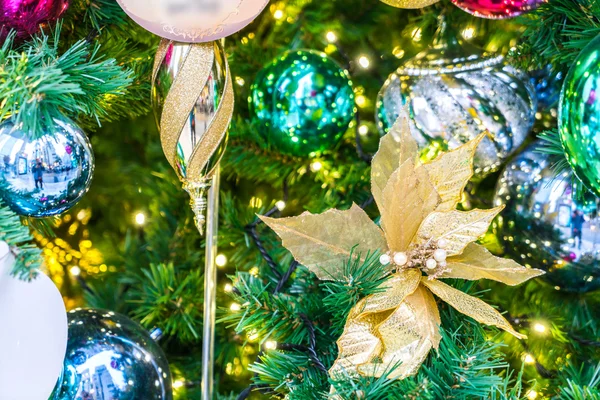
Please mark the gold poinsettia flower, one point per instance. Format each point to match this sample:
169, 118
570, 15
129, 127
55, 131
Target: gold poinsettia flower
423, 239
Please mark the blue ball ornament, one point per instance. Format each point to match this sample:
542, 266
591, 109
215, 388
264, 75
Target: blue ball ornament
44, 176
305, 101
111, 357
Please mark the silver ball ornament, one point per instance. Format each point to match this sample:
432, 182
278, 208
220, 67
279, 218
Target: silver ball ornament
454, 93
46, 176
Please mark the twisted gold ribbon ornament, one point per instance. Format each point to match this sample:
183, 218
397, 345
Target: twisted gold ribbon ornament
192, 95
423, 238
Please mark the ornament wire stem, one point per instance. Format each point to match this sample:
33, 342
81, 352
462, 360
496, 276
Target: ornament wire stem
205, 204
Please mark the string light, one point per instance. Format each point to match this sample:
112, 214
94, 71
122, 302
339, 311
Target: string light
140, 218
417, 34
363, 130
280, 205
253, 271
361, 101
364, 62
235, 307
528, 359
75, 271
316, 166
532, 394
278, 14
331, 37
539, 327
468, 33
178, 384
228, 288
221, 260
270, 345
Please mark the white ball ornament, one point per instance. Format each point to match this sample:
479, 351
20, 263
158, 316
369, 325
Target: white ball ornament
33, 337
385, 259
442, 243
431, 263
440, 255
193, 21
400, 259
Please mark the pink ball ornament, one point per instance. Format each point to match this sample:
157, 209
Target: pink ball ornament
26, 16
193, 21
497, 9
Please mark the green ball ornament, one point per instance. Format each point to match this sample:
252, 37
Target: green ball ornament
579, 116
305, 100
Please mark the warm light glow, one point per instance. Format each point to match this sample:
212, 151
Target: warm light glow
278, 14
364, 62
361, 101
178, 384
240, 81
140, 218
331, 37
235, 307
75, 271
363, 130
228, 288
253, 271
417, 34
270, 345
316, 166
221, 260
528, 359
539, 327
532, 394
468, 33
253, 337
280, 205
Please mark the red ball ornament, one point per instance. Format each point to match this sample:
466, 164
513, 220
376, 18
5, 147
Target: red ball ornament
26, 16
497, 9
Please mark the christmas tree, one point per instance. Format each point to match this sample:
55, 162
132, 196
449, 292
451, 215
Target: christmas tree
406, 195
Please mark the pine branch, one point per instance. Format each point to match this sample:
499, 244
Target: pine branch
37, 84
28, 256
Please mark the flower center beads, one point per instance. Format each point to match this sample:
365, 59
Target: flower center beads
430, 256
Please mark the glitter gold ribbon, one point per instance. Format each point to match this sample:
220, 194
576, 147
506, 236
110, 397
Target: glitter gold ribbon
187, 87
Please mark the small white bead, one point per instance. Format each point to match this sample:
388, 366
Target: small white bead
400, 259
442, 243
440, 255
385, 259
431, 263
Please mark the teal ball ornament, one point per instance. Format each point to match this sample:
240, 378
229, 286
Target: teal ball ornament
549, 222
579, 116
110, 356
304, 100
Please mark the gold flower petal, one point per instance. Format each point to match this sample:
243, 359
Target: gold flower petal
323, 242
395, 148
398, 287
476, 262
407, 198
407, 337
450, 172
458, 228
360, 341
477, 309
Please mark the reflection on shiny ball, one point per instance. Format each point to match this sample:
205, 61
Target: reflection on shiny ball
45, 176
111, 357
305, 100
548, 224
456, 92
579, 116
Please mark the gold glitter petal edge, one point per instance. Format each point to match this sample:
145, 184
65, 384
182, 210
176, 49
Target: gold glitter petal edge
182, 96
407, 336
476, 262
324, 242
458, 228
161, 52
398, 287
409, 3
451, 172
475, 308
